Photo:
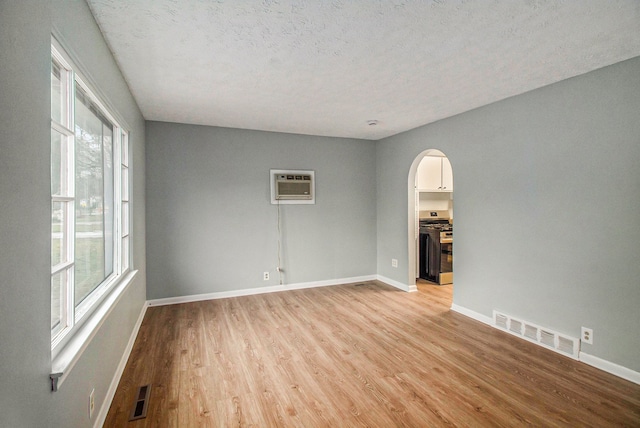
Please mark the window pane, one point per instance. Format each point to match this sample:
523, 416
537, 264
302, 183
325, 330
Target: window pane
58, 180
94, 198
89, 262
57, 108
57, 298
58, 233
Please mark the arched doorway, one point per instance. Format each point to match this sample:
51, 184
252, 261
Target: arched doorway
413, 213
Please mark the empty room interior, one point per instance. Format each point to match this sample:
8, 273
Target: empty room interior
241, 213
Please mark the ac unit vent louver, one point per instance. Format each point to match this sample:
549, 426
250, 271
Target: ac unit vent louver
539, 335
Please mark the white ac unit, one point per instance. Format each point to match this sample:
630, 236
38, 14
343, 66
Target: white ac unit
292, 186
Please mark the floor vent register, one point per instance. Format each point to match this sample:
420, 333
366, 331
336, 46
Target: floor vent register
141, 404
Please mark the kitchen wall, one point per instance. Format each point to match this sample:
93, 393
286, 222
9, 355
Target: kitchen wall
211, 226
26, 399
547, 223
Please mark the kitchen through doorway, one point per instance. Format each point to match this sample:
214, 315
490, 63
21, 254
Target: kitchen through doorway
431, 219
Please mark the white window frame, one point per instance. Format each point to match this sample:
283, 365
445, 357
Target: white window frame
72, 317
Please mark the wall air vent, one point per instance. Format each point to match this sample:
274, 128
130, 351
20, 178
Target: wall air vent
565, 345
547, 338
501, 321
569, 346
531, 331
515, 326
292, 186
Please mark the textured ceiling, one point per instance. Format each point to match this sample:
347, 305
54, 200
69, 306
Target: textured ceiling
326, 67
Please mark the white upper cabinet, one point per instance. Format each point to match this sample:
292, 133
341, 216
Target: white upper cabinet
435, 175
430, 173
447, 176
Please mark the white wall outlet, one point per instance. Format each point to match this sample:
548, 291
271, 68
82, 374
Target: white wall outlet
587, 335
394, 262
266, 276
92, 403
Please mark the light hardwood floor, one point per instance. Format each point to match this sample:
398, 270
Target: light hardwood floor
351, 356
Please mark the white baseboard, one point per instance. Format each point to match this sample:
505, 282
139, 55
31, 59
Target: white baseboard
599, 363
396, 284
609, 367
260, 290
596, 362
472, 314
111, 392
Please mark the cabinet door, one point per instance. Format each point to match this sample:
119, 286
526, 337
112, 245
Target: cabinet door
447, 176
430, 174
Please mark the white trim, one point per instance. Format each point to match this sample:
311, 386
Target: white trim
413, 218
473, 314
609, 367
71, 56
596, 362
259, 290
68, 356
111, 392
599, 363
397, 284
74, 316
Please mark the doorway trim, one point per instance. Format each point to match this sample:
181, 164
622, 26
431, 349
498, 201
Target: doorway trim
412, 219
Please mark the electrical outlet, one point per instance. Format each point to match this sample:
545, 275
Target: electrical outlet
587, 335
266, 276
394, 262
92, 403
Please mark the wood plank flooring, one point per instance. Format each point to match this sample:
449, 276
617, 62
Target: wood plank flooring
353, 356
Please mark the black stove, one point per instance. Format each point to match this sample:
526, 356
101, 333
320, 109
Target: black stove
436, 250
441, 225
436, 226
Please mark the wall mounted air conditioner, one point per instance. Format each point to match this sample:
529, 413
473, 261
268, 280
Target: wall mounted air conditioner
292, 186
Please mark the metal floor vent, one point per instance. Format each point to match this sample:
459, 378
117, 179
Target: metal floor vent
569, 346
141, 404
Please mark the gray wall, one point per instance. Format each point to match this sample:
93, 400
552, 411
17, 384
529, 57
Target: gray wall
211, 226
568, 152
25, 296
547, 213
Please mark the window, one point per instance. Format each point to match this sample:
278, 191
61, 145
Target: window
89, 200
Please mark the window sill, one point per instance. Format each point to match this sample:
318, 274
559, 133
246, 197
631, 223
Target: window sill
64, 361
